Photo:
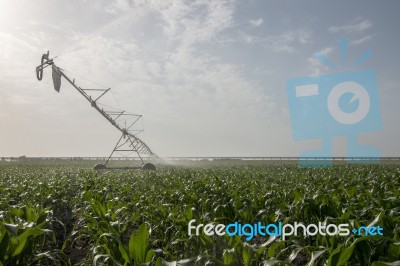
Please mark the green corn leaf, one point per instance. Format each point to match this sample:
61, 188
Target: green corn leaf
314, 256
274, 247
377, 219
248, 253
271, 262
335, 255
4, 243
159, 262
394, 250
138, 245
381, 263
341, 256
19, 242
345, 254
228, 257
124, 253
149, 256
189, 213
100, 256
294, 253
12, 228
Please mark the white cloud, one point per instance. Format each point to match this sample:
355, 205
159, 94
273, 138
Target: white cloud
353, 27
11, 44
190, 67
256, 22
33, 22
160, 70
316, 67
193, 22
118, 6
361, 40
285, 42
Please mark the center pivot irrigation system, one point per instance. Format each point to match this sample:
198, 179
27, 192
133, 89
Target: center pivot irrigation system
129, 142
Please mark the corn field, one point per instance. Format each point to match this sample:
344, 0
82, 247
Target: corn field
57, 214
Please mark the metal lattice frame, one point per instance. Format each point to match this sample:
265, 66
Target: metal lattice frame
128, 142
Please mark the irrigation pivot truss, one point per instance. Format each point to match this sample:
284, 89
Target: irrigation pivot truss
129, 143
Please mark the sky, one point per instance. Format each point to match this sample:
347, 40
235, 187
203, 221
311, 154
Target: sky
209, 77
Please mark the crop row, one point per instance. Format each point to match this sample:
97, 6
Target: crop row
63, 215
